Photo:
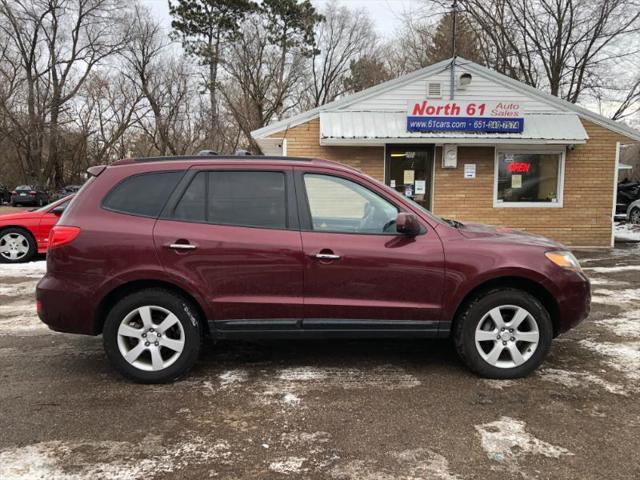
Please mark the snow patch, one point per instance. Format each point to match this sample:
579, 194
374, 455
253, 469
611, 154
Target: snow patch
627, 325
616, 297
621, 268
627, 232
579, 380
506, 440
20, 319
30, 269
291, 399
624, 357
288, 465
18, 289
605, 282
232, 377
109, 460
386, 377
419, 463
499, 384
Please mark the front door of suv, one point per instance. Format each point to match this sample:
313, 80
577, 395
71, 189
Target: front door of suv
234, 236
359, 272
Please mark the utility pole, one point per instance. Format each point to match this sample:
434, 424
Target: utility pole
453, 51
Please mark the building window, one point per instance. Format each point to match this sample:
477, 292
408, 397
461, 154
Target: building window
529, 178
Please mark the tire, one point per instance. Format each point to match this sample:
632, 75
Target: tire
476, 330
125, 331
17, 245
634, 216
41, 203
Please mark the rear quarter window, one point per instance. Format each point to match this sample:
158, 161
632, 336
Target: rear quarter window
144, 194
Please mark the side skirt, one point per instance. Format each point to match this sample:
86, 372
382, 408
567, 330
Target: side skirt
318, 328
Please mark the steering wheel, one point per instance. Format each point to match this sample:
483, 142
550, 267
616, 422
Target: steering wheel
388, 225
369, 212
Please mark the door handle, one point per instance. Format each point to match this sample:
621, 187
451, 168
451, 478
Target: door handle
182, 246
326, 256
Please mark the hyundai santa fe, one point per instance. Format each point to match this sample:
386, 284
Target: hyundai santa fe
157, 254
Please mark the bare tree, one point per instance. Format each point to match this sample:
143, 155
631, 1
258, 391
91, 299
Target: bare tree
24, 69
345, 36
261, 80
554, 44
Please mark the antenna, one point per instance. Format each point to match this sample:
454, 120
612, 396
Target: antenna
454, 8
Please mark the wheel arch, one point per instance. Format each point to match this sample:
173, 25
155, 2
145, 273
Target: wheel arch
521, 283
121, 291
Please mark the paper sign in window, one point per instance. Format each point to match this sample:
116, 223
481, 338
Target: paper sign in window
421, 187
516, 181
409, 176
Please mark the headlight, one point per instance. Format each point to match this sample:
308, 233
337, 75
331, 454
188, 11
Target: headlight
564, 259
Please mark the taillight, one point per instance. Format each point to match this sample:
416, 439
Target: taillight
62, 235
32, 192
13, 193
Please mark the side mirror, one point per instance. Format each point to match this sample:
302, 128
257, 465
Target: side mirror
58, 210
407, 224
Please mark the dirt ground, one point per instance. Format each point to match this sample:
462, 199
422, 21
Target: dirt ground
372, 410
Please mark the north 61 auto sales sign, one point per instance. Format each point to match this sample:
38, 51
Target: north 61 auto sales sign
464, 116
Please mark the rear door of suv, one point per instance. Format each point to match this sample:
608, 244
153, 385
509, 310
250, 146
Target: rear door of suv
233, 234
359, 272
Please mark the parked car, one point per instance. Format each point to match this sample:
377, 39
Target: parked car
5, 194
26, 233
29, 195
633, 212
627, 193
65, 191
155, 254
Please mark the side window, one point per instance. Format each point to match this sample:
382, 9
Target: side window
252, 199
191, 206
143, 194
340, 205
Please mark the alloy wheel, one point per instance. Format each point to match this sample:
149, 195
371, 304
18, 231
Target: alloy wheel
507, 336
635, 216
151, 338
14, 246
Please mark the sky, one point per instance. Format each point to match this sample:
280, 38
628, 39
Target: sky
387, 14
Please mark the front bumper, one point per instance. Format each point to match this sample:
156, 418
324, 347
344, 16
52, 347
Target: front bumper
574, 301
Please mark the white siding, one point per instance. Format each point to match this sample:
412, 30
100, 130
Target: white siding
481, 88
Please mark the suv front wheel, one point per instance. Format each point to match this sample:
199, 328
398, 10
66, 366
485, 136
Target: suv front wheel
504, 333
152, 336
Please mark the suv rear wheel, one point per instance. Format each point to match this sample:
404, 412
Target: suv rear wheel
503, 333
152, 336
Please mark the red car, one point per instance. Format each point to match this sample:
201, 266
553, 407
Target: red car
25, 233
156, 254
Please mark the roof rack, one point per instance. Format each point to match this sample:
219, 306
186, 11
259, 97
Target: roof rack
220, 158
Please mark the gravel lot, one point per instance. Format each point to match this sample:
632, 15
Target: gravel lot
331, 410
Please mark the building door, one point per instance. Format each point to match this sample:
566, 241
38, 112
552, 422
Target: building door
409, 170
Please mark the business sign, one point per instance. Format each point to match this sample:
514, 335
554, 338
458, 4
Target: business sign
464, 116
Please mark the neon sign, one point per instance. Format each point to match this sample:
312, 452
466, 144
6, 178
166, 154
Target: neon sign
519, 167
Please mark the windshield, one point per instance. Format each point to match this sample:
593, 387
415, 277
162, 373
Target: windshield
23, 187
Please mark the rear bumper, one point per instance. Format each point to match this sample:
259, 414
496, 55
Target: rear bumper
67, 303
574, 302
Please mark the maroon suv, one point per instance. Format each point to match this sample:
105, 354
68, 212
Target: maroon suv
157, 253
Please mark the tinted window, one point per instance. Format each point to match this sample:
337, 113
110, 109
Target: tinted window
340, 205
143, 194
254, 199
191, 206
